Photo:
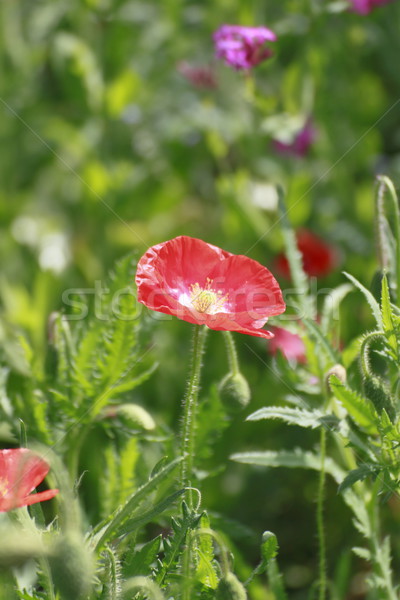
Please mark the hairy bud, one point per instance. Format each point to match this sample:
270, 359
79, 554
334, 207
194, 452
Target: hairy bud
339, 371
234, 392
71, 567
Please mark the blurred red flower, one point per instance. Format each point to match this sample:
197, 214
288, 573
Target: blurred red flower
290, 344
243, 47
363, 7
20, 472
201, 76
319, 258
202, 284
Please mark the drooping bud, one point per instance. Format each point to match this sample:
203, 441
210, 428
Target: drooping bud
71, 566
131, 415
234, 392
339, 371
230, 588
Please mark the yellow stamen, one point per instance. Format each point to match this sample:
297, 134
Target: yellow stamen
206, 300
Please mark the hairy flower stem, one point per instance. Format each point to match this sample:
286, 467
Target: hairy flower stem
386, 183
320, 519
231, 353
190, 407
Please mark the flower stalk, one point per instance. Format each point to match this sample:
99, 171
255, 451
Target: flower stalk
190, 407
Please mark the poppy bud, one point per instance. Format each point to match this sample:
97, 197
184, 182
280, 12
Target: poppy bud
234, 392
339, 371
230, 588
269, 546
71, 567
131, 415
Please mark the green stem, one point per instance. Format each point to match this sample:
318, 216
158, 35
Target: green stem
295, 260
386, 182
231, 353
320, 519
364, 352
190, 407
380, 563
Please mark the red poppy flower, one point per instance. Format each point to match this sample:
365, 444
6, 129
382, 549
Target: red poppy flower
290, 344
319, 258
202, 284
20, 472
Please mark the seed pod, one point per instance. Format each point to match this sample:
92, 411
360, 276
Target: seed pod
234, 392
71, 567
230, 588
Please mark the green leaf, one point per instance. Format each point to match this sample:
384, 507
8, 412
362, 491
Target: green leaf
291, 416
297, 458
174, 543
206, 571
359, 474
104, 531
295, 260
315, 331
145, 517
387, 317
369, 297
331, 305
361, 412
141, 562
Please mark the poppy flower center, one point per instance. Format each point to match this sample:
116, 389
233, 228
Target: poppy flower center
205, 299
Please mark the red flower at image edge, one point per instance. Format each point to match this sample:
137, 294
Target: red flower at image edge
319, 258
21, 471
290, 344
204, 285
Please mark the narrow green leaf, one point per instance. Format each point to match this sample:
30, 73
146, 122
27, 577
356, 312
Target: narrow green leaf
331, 305
295, 261
147, 516
315, 331
140, 562
387, 317
297, 458
369, 297
361, 412
206, 571
359, 474
112, 523
291, 416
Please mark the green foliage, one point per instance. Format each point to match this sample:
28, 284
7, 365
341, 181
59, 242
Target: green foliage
108, 147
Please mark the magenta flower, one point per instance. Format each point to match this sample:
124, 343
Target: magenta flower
363, 7
243, 47
290, 344
300, 144
201, 76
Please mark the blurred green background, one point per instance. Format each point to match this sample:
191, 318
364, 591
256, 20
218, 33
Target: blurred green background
107, 148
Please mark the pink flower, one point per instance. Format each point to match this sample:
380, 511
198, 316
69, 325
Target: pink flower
199, 76
300, 144
363, 7
243, 47
290, 344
